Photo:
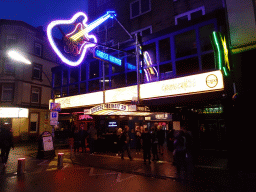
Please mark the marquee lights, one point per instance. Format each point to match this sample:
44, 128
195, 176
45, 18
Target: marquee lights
77, 43
188, 85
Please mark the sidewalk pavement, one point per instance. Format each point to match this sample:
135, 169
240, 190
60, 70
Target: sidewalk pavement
211, 172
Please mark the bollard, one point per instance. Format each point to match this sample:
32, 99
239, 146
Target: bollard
21, 166
60, 160
71, 151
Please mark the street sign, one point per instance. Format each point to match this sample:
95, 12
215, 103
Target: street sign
54, 116
55, 107
53, 122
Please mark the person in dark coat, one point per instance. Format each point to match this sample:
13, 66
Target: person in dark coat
6, 143
92, 138
170, 139
146, 145
83, 135
77, 140
154, 144
161, 139
125, 143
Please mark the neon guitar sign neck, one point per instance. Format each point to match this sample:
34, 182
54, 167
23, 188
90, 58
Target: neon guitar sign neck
79, 40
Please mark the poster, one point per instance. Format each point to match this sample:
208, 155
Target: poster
47, 143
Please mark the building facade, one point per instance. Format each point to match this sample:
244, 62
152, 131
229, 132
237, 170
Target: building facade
25, 89
178, 45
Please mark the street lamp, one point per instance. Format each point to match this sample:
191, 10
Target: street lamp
17, 56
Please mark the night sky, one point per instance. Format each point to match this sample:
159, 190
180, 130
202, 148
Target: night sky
40, 12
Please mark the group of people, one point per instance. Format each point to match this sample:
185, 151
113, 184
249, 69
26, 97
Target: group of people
152, 140
80, 137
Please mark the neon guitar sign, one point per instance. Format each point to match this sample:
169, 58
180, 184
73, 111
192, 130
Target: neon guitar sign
78, 41
150, 72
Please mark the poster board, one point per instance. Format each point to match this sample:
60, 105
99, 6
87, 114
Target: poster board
48, 143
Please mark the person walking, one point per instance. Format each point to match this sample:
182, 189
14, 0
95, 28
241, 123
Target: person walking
6, 143
146, 145
92, 137
77, 140
83, 135
161, 139
154, 144
182, 153
125, 143
138, 139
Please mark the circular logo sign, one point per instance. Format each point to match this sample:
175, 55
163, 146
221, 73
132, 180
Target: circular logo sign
211, 80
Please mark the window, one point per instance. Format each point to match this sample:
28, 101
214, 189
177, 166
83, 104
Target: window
187, 66
118, 81
164, 50
132, 78
83, 72
144, 31
38, 49
185, 44
7, 92
193, 14
94, 69
74, 74
166, 71
57, 79
94, 85
205, 41
34, 121
65, 76
35, 95
37, 72
208, 61
73, 90
139, 7
11, 41
9, 67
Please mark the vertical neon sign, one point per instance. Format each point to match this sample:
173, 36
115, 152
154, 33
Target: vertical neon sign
220, 52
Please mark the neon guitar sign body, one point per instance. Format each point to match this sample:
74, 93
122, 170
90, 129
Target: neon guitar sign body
78, 41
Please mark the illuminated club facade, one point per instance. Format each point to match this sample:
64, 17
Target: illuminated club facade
182, 69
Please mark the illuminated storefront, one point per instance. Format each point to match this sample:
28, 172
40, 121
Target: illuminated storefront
182, 74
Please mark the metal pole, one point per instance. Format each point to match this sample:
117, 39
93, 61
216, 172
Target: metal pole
138, 67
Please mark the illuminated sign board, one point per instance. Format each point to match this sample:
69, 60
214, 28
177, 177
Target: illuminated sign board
81, 100
109, 106
77, 40
121, 94
106, 57
13, 112
193, 84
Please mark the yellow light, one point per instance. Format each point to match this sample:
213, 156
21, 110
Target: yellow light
13, 112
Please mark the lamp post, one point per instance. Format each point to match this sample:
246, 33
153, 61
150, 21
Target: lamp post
18, 56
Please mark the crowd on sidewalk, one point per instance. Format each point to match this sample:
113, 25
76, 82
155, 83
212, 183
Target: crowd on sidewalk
149, 141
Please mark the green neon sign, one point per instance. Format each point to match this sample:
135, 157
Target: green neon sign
220, 52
